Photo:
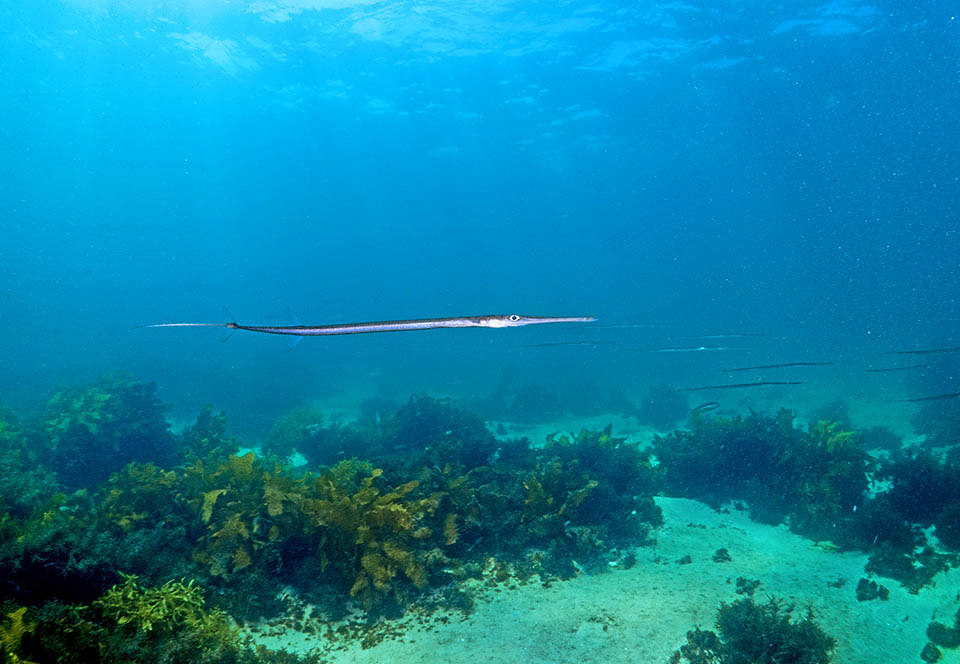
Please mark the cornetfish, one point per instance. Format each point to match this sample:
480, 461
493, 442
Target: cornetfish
512, 320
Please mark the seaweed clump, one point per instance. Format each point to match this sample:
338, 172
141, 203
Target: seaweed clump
438, 429
925, 490
821, 473
625, 479
347, 526
207, 436
378, 540
751, 633
133, 617
869, 590
581, 502
87, 433
923, 493
440, 500
22, 482
939, 422
131, 624
423, 424
526, 402
945, 636
306, 430
822, 477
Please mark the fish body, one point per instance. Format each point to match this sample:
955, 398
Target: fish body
780, 366
925, 351
493, 321
891, 369
705, 408
935, 397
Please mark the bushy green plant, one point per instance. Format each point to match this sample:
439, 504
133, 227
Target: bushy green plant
132, 624
913, 569
12, 631
924, 484
945, 636
447, 496
947, 524
768, 633
625, 482
821, 474
164, 608
879, 523
367, 536
207, 436
924, 492
939, 422
87, 433
723, 458
834, 474
140, 495
57, 553
292, 431
751, 633
378, 538
441, 429
307, 431
23, 484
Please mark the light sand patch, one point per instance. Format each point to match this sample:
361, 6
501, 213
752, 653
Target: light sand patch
642, 614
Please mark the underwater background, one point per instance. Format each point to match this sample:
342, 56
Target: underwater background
725, 186
721, 168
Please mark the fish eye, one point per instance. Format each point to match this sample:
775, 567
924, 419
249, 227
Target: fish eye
514, 317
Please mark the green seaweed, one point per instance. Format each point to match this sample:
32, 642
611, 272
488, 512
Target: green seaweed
293, 431
750, 633
821, 474
207, 436
166, 607
87, 433
134, 624
12, 631
434, 512
373, 534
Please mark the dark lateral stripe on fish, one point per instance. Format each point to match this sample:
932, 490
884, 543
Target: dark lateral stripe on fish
780, 366
935, 397
568, 343
889, 369
924, 351
739, 385
705, 407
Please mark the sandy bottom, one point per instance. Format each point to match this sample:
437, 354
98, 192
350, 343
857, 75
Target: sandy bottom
642, 614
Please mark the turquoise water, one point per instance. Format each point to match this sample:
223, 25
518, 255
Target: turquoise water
723, 186
717, 167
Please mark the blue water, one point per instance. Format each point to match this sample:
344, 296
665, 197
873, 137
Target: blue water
788, 169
